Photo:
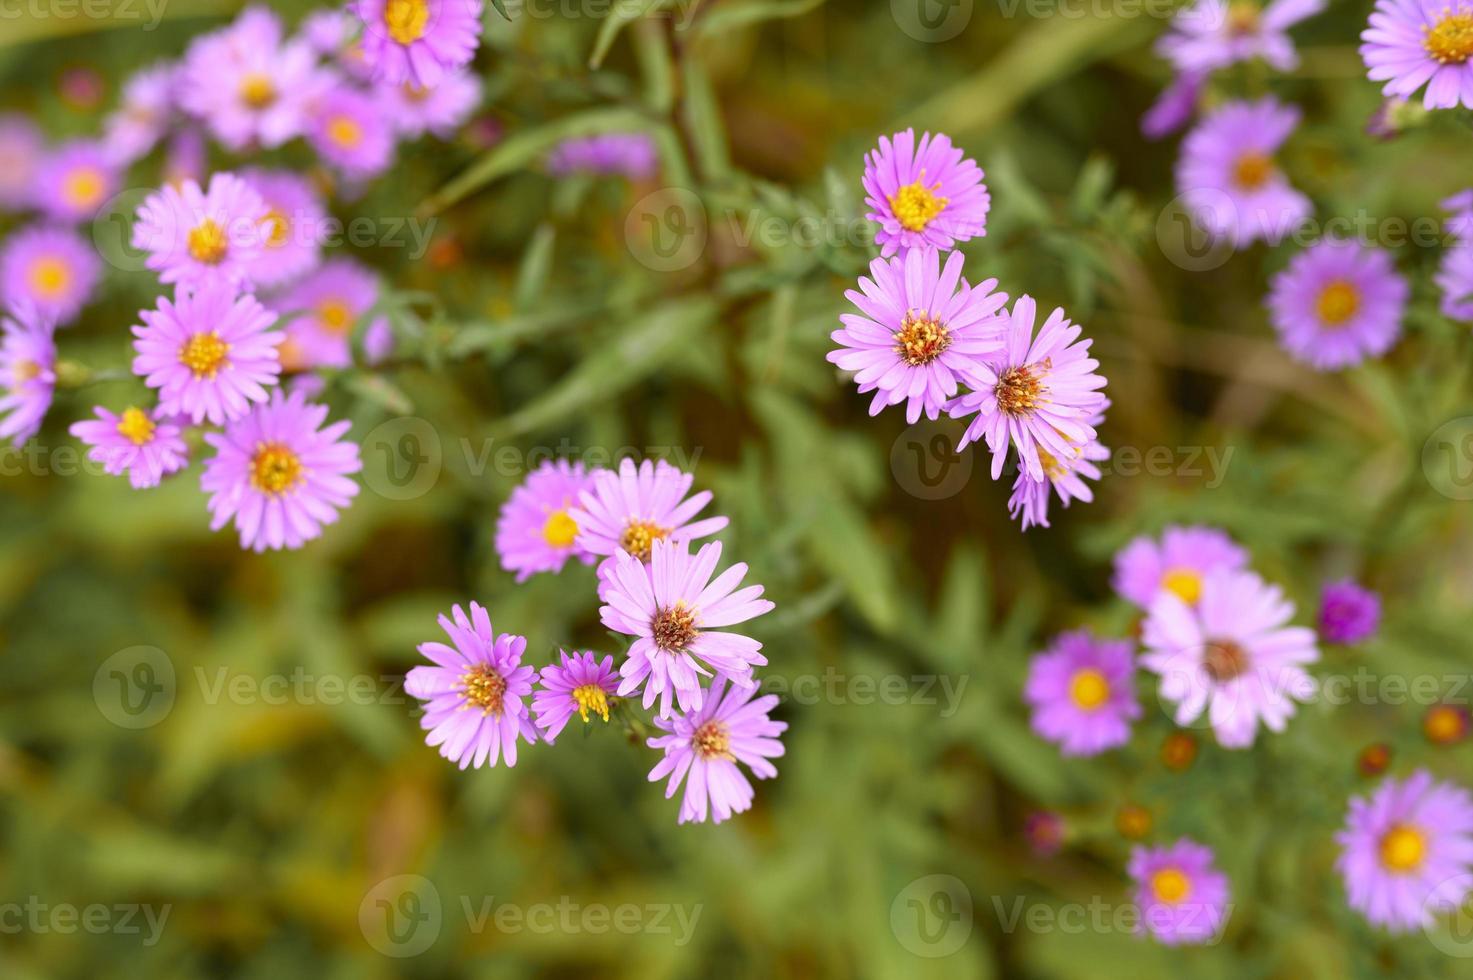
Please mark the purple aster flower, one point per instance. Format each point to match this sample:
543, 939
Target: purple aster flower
631, 155
1407, 851
1082, 691
195, 237
1065, 477
1227, 176
21, 150
293, 230
279, 473
1348, 612
1035, 394
1177, 563
924, 196
419, 41
677, 612
535, 531
143, 118
249, 87
27, 373
702, 749
919, 332
1232, 655
1183, 898
1455, 273
473, 693
350, 131
1045, 831
630, 510
440, 111
74, 180
51, 268
582, 684
146, 445
210, 352
1338, 303
335, 299
1411, 43
1211, 34
1176, 106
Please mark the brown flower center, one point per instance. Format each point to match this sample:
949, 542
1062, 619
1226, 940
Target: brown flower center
1019, 389
257, 91
712, 741
484, 688
920, 339
275, 468
1338, 302
674, 628
1224, 660
1253, 170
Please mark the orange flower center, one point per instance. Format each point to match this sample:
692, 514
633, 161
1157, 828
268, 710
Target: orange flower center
674, 628
1224, 660
345, 132
406, 19
712, 741
1403, 848
1018, 390
1088, 689
920, 339
82, 188
484, 688
1253, 170
1170, 885
257, 91
207, 242
1450, 40
275, 468
50, 277
1338, 302
336, 316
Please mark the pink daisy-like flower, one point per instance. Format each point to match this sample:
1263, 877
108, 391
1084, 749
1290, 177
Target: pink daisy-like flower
1227, 176
1407, 851
439, 111
1177, 563
702, 749
1211, 34
419, 41
279, 473
1349, 612
1030, 498
27, 373
52, 269
536, 531
293, 230
630, 510
1035, 393
21, 150
1411, 43
631, 155
919, 333
581, 683
146, 445
1232, 655
74, 180
1338, 303
335, 299
677, 614
1182, 897
143, 118
351, 131
1082, 691
210, 352
194, 237
473, 693
925, 195
248, 86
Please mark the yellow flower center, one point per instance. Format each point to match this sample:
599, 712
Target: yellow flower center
1170, 885
560, 530
336, 316
257, 91
82, 188
712, 741
345, 132
1253, 170
1184, 583
1242, 17
674, 628
1052, 467
276, 228
1403, 848
920, 339
50, 277
1018, 390
275, 468
1450, 41
483, 688
135, 426
591, 697
1088, 689
291, 355
1338, 302
639, 537
1445, 724
915, 206
406, 19
207, 242
203, 354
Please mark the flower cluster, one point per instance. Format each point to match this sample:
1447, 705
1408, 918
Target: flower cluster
927, 338
675, 607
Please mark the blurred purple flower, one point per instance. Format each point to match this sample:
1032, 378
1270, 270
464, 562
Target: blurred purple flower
1082, 692
1337, 304
1348, 612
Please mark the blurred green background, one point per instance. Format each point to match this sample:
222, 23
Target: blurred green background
221, 735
